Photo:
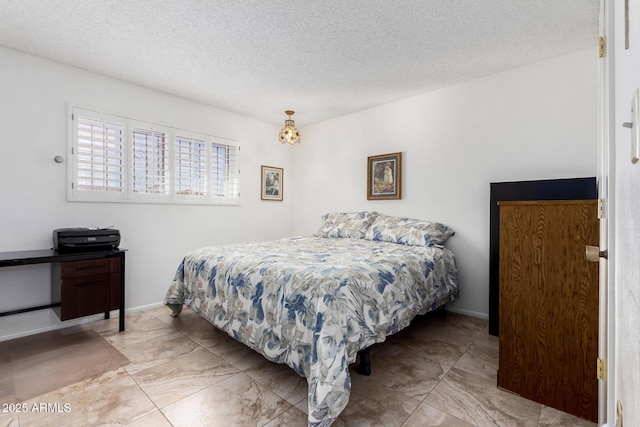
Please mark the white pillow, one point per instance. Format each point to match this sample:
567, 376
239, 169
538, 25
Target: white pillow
408, 231
352, 225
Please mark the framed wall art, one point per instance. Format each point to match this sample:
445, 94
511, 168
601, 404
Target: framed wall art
272, 183
384, 177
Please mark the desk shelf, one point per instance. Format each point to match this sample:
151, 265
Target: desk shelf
81, 283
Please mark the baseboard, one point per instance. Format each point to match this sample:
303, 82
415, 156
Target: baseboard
144, 307
468, 313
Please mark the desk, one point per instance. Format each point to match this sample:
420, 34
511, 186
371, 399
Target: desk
62, 262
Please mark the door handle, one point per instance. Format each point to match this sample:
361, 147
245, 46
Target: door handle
593, 253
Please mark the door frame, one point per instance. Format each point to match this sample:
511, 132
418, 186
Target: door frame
606, 184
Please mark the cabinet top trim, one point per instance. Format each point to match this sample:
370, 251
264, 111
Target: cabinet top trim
548, 202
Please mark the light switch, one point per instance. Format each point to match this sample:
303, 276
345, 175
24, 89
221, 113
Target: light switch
635, 154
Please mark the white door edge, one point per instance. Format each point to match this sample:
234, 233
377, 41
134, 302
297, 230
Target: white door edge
606, 182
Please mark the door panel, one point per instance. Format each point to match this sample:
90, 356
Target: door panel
549, 304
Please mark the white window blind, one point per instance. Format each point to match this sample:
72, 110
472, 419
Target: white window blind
119, 159
150, 161
223, 170
99, 155
191, 167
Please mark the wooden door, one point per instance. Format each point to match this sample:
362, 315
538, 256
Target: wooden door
549, 304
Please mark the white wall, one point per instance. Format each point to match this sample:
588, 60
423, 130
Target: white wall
627, 226
534, 122
33, 123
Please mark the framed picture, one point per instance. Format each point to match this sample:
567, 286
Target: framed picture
272, 183
384, 177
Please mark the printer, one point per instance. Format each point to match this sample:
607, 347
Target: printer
73, 240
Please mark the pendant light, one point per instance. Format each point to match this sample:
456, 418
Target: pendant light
289, 133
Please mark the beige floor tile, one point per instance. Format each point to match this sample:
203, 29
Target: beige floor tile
303, 405
238, 400
161, 313
106, 326
191, 325
112, 398
236, 353
280, 379
435, 348
146, 354
554, 418
7, 391
142, 329
375, 406
154, 419
227, 382
45, 362
480, 360
291, 418
427, 416
217, 341
187, 318
488, 341
183, 376
453, 328
9, 419
139, 317
404, 368
112, 326
477, 400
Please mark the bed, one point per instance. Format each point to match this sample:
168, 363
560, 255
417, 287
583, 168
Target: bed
314, 302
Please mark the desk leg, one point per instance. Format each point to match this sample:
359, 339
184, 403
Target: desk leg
121, 311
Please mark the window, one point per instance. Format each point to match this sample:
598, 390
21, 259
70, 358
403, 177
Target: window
120, 159
191, 166
99, 155
221, 180
150, 161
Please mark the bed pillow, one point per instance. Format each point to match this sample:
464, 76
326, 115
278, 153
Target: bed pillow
408, 231
352, 225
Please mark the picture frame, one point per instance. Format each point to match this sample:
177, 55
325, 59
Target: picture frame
271, 183
384, 177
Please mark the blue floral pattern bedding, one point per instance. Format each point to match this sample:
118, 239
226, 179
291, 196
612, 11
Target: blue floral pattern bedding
314, 302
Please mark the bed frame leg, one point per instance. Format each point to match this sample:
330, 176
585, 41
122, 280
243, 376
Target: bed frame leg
364, 368
176, 309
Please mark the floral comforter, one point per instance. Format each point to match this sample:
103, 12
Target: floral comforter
314, 302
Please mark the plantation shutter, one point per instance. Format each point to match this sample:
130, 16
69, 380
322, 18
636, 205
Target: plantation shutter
224, 170
100, 155
150, 161
117, 159
191, 166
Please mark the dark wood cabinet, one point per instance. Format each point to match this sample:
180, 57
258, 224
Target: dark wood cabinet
549, 304
86, 287
545, 189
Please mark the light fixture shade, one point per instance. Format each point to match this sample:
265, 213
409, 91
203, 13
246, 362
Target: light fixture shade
289, 133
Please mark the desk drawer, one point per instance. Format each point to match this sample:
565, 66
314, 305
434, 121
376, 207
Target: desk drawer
83, 296
89, 267
86, 287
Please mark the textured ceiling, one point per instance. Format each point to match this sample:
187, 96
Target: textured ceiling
320, 58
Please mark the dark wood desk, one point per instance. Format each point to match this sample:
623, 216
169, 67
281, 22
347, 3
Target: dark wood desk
67, 261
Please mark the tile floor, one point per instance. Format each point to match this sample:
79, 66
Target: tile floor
183, 372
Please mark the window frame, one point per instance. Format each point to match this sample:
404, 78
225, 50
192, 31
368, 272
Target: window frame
128, 195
